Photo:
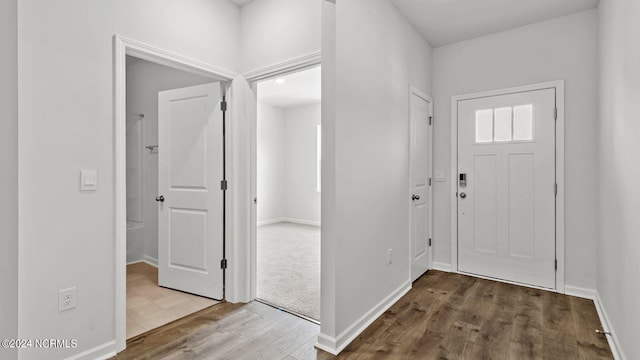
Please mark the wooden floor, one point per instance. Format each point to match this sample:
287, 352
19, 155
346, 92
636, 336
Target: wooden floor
444, 316
150, 306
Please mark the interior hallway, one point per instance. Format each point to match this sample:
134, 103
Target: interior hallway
444, 316
150, 306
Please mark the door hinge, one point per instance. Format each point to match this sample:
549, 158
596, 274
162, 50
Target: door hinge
555, 113
255, 200
223, 264
223, 105
429, 241
429, 181
430, 120
555, 189
556, 265
223, 185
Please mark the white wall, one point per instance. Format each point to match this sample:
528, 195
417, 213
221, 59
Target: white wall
205, 30
144, 81
270, 163
618, 178
365, 208
564, 48
8, 175
274, 31
302, 201
287, 163
66, 124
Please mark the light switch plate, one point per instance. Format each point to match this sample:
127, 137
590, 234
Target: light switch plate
88, 180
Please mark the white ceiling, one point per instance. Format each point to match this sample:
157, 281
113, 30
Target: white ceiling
443, 22
301, 88
241, 2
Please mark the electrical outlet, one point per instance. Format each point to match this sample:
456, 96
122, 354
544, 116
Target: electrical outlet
67, 299
390, 257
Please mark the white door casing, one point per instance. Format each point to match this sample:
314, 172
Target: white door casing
506, 211
420, 155
122, 47
190, 170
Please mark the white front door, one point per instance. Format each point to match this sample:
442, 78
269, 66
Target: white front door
190, 244
506, 187
420, 173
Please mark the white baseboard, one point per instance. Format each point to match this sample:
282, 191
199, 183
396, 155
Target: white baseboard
291, 220
302, 221
336, 345
602, 314
272, 221
150, 260
441, 266
326, 343
100, 352
614, 343
145, 259
580, 292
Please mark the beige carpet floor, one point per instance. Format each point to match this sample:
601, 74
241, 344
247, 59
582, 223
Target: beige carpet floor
289, 267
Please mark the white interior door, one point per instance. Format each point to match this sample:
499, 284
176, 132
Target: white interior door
420, 173
190, 165
506, 187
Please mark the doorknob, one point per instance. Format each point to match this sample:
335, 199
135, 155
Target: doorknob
160, 198
415, 197
463, 195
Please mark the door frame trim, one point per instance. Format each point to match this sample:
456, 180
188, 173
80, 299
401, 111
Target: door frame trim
419, 93
122, 47
283, 68
559, 170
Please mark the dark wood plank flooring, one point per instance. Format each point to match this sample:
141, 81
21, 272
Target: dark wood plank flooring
444, 316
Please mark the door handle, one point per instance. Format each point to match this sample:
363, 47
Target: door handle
463, 195
160, 198
415, 197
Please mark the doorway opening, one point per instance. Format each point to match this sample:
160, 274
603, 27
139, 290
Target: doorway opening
171, 116
288, 146
124, 47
